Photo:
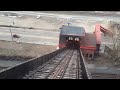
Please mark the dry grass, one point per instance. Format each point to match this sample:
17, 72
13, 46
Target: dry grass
24, 49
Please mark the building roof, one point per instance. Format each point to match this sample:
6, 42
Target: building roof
72, 30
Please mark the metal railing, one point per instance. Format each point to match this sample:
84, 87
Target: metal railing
85, 73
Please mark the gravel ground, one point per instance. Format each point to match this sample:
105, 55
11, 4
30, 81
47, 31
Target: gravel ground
23, 49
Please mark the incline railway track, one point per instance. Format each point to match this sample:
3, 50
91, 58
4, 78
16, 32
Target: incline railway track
65, 65
61, 64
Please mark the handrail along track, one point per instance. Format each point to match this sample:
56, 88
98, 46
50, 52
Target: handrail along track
85, 72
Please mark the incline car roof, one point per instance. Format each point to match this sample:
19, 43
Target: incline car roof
72, 30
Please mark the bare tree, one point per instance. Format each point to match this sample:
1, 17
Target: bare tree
115, 28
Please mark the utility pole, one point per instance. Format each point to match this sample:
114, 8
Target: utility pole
68, 24
13, 25
11, 33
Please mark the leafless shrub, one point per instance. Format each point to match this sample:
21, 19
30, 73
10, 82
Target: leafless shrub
115, 27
